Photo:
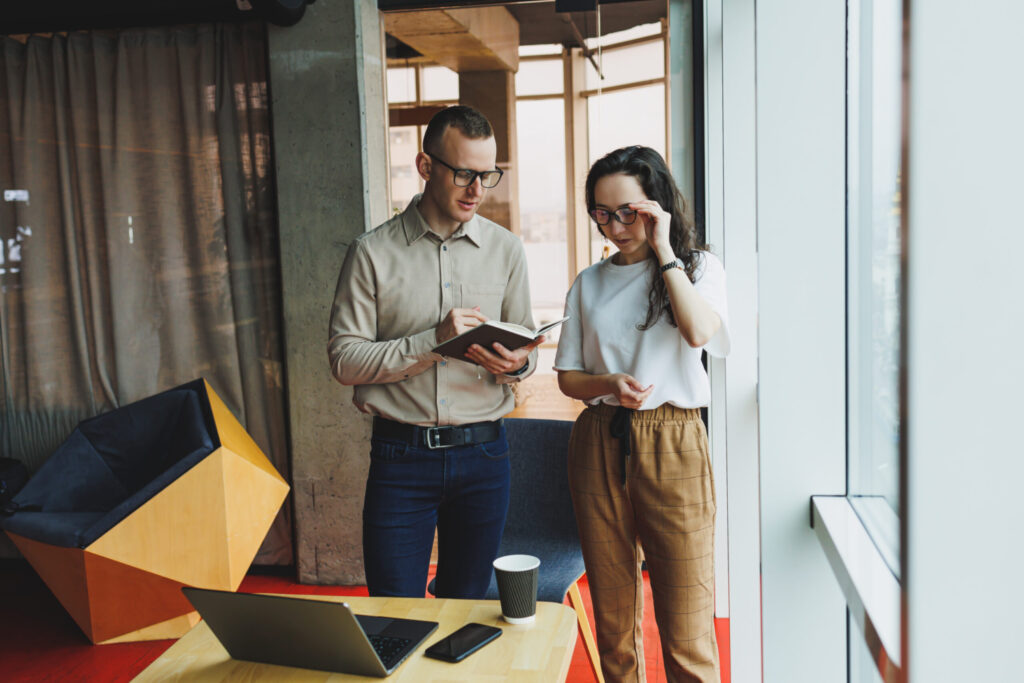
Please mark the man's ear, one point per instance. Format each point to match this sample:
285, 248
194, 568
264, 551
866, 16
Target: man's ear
423, 165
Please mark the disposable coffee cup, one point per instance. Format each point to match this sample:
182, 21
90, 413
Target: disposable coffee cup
517, 587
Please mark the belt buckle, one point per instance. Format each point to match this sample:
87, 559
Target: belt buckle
433, 438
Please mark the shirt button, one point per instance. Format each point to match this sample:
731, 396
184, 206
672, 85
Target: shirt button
442, 401
447, 284
444, 248
444, 362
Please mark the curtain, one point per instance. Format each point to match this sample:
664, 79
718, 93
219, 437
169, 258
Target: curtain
139, 233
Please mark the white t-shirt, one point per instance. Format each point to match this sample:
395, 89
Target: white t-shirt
606, 304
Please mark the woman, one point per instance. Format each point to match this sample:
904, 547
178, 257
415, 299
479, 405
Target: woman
638, 458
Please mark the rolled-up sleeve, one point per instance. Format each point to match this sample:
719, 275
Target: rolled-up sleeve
570, 343
355, 355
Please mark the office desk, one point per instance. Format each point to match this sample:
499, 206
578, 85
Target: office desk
536, 652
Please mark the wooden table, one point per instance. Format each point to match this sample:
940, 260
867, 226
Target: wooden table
535, 652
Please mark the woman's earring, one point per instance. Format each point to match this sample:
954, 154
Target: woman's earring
606, 249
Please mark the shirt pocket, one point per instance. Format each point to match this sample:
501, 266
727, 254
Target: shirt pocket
488, 297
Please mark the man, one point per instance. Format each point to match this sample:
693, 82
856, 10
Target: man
438, 457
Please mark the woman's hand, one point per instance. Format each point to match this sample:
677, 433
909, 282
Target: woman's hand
629, 392
657, 222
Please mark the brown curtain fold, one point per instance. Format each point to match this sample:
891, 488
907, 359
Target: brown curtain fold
142, 250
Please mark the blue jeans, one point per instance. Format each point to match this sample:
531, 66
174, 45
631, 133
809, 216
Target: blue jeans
462, 491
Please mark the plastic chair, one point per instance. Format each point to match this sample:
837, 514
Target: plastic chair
139, 501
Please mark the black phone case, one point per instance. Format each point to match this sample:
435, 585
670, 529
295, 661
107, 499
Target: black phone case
444, 650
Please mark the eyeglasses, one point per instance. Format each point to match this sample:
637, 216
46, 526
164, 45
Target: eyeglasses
604, 216
464, 177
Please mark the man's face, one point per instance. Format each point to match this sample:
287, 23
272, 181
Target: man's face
453, 203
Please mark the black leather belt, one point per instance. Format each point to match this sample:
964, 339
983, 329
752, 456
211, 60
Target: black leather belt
437, 437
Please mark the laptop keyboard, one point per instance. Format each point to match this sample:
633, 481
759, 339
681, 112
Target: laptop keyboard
389, 648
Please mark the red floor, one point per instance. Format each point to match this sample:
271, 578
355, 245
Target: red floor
40, 642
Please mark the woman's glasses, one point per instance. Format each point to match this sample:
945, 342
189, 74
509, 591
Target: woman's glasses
604, 216
464, 177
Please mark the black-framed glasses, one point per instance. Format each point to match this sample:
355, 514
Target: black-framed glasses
604, 216
464, 177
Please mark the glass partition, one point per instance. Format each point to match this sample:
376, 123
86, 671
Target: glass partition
874, 267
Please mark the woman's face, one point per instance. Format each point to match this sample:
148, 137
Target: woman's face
618, 191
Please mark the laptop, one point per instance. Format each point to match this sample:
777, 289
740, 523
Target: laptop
310, 634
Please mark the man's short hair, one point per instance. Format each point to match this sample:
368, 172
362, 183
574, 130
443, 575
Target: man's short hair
467, 120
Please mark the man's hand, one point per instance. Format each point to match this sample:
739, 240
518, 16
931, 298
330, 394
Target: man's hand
629, 392
502, 361
458, 321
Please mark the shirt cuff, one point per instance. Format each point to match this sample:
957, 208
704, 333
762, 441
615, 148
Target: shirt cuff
520, 374
421, 346
520, 371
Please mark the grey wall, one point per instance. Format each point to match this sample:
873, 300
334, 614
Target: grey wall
800, 48
330, 140
962, 578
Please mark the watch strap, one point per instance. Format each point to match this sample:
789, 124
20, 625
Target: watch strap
676, 263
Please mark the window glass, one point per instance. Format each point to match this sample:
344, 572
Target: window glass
627, 65
627, 117
543, 77
401, 84
873, 267
440, 84
542, 205
405, 181
863, 668
548, 49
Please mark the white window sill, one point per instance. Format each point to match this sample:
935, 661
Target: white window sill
871, 589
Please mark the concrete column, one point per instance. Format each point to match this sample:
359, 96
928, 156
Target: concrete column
493, 93
330, 140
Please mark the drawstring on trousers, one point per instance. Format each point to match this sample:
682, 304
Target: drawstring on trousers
619, 428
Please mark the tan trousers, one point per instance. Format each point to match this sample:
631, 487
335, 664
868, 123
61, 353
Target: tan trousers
668, 506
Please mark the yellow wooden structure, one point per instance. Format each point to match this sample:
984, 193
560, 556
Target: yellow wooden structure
203, 529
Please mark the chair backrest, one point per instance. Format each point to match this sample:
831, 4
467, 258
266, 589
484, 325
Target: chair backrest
540, 505
540, 518
113, 463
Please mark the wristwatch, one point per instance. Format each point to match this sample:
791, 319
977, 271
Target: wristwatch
676, 263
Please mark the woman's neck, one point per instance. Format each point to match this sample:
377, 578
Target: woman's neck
621, 259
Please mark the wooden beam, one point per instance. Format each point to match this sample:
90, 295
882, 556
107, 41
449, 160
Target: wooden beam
474, 39
413, 116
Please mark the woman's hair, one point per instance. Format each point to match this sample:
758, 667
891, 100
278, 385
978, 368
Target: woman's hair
647, 166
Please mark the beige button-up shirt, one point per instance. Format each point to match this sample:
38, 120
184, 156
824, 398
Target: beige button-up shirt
397, 283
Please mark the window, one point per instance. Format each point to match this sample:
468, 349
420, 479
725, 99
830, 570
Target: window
540, 124
626, 100
860, 532
414, 89
873, 268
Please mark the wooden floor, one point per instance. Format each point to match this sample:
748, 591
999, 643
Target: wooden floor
39, 643
538, 396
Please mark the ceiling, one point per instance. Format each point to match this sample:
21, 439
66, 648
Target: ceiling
540, 24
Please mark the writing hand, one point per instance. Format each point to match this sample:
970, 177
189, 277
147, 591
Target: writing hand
458, 321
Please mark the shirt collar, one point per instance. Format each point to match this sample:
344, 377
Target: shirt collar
416, 226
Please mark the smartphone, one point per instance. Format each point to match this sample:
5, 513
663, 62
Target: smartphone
462, 643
